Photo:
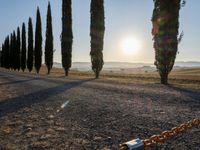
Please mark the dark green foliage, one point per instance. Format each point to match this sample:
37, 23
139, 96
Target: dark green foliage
18, 47
165, 22
23, 54
3, 55
11, 51
67, 35
38, 42
49, 41
14, 51
97, 29
7, 53
30, 46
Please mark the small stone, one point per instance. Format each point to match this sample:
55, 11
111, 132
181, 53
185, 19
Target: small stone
60, 129
32, 134
50, 130
51, 116
97, 138
46, 136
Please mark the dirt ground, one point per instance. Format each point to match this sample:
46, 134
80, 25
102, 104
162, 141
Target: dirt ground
43, 112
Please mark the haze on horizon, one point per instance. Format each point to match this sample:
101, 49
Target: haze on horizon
125, 20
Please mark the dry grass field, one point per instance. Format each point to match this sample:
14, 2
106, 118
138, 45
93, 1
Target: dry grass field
189, 77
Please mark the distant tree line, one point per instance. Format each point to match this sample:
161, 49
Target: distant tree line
16, 56
165, 31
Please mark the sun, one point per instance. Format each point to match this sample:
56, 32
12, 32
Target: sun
130, 45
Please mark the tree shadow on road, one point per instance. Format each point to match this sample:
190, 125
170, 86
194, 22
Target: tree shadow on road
194, 95
14, 104
17, 82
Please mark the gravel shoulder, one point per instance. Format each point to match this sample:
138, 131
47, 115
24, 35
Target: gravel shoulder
42, 112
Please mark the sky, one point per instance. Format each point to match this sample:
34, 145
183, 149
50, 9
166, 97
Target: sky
123, 19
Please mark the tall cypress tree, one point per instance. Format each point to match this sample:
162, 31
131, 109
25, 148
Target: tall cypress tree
14, 51
30, 46
67, 35
23, 54
18, 47
11, 51
7, 53
49, 41
38, 42
97, 29
3, 55
165, 22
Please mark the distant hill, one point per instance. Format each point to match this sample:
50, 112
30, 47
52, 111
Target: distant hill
188, 64
85, 66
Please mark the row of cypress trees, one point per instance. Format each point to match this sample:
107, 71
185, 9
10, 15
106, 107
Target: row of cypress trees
97, 29
14, 50
12, 56
165, 32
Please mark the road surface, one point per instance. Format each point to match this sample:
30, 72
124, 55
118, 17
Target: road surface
45, 112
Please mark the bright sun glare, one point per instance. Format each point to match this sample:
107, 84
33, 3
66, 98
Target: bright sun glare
130, 46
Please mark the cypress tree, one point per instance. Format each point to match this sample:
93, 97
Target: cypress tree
97, 29
38, 42
3, 55
67, 35
30, 46
11, 51
18, 47
7, 53
14, 51
165, 22
23, 54
49, 41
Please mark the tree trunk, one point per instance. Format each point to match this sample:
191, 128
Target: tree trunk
66, 73
164, 78
97, 74
48, 71
37, 71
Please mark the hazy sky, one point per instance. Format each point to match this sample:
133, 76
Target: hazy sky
124, 18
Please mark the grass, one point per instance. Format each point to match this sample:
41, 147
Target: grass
179, 77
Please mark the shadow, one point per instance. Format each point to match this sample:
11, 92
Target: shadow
42, 77
14, 104
193, 94
17, 82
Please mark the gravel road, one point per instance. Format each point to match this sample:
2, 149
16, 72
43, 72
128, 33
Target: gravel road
44, 112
